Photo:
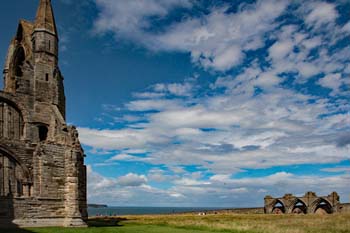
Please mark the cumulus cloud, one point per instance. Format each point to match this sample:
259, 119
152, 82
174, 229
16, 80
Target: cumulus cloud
131, 180
320, 13
152, 104
127, 157
280, 50
216, 191
129, 18
217, 41
131, 189
288, 130
332, 81
220, 39
261, 116
343, 140
119, 139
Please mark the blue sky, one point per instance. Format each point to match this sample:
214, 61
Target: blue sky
205, 103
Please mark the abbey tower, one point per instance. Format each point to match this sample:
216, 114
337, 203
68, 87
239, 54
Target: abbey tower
42, 171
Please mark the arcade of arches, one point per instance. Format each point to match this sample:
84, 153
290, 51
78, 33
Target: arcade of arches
308, 204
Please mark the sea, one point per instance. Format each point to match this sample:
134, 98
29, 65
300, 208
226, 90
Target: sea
115, 211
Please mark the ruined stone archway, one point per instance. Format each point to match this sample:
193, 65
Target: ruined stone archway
14, 177
309, 203
278, 207
298, 207
15, 183
322, 206
11, 121
18, 61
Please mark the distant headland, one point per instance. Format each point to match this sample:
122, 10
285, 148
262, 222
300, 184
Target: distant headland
97, 206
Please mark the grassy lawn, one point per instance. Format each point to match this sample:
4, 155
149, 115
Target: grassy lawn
210, 223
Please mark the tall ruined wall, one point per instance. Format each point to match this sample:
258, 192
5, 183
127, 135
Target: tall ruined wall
42, 171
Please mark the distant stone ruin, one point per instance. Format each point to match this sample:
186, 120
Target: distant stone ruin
310, 203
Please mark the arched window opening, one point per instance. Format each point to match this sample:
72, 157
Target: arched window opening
47, 77
323, 208
42, 133
11, 121
278, 208
299, 208
19, 188
18, 62
12, 176
19, 36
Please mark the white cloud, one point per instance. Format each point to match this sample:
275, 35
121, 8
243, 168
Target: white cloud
312, 42
129, 18
119, 139
216, 41
225, 60
233, 127
196, 117
196, 192
152, 104
346, 27
287, 130
191, 182
280, 50
131, 179
146, 95
130, 189
177, 89
321, 13
127, 157
158, 175
307, 69
336, 169
332, 81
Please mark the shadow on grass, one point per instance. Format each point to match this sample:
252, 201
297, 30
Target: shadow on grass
106, 222
14, 230
7, 216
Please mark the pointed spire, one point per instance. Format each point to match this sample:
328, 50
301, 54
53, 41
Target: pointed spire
45, 19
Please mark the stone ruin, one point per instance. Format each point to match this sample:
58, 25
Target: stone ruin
42, 171
308, 204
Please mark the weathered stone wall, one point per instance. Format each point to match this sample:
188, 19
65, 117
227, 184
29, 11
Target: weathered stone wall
309, 203
344, 208
42, 171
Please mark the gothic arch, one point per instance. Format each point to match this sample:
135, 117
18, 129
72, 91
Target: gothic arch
19, 35
11, 120
321, 206
298, 206
5, 150
8, 98
278, 207
14, 176
18, 59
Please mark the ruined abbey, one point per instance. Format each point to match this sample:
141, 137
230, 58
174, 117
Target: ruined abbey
42, 171
310, 203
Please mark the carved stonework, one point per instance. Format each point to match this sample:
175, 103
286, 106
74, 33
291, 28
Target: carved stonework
42, 171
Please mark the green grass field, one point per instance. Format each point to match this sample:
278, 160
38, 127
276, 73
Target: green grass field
210, 223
